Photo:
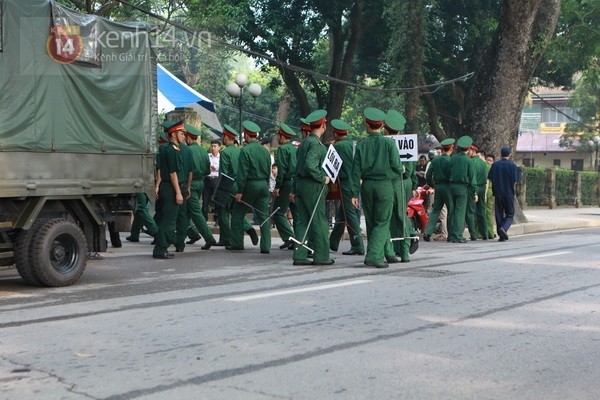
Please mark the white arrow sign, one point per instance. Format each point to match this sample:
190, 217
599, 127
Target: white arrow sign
332, 163
408, 147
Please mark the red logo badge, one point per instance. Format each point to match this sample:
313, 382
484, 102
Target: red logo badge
64, 44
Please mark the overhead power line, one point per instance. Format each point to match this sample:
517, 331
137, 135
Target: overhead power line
425, 89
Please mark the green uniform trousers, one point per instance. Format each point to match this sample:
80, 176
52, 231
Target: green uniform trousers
279, 218
182, 223
378, 201
168, 217
142, 218
195, 214
225, 202
457, 224
476, 217
307, 200
489, 214
443, 196
346, 217
256, 193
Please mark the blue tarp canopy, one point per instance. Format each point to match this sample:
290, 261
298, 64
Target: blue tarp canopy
172, 93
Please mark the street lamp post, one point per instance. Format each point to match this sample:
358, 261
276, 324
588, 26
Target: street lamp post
595, 146
235, 90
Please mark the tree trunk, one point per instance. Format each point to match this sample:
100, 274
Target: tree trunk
414, 65
494, 106
496, 100
284, 106
293, 84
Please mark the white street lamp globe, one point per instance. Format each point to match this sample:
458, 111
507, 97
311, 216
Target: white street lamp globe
255, 90
241, 80
591, 143
233, 90
596, 139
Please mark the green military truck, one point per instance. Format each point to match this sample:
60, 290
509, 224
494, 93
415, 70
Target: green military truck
77, 121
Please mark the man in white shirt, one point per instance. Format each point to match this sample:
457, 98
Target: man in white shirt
212, 180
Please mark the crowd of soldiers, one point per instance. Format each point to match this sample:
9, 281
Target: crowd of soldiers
371, 171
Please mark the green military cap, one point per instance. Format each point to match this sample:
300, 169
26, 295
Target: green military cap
448, 142
192, 130
304, 126
229, 131
162, 137
374, 115
394, 121
340, 127
464, 142
167, 124
285, 130
251, 128
316, 118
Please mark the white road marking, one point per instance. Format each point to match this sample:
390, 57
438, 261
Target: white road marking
300, 290
543, 255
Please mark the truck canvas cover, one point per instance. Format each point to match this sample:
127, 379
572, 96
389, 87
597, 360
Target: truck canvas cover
74, 83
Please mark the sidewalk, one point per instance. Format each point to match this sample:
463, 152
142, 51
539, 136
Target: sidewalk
544, 219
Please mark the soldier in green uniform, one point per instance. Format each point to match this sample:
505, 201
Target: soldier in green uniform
476, 219
200, 169
489, 200
169, 192
286, 160
183, 221
461, 187
400, 225
438, 178
346, 214
310, 191
252, 182
228, 169
376, 162
162, 140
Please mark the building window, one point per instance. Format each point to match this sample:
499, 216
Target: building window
557, 162
577, 164
558, 115
528, 162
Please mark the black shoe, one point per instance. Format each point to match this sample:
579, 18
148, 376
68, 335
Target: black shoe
153, 242
376, 265
303, 262
179, 249
473, 238
310, 255
193, 240
253, 236
286, 245
163, 256
328, 262
414, 246
502, 240
353, 252
391, 259
264, 252
233, 248
209, 244
404, 261
502, 233
291, 246
130, 239
461, 240
220, 244
427, 238
484, 238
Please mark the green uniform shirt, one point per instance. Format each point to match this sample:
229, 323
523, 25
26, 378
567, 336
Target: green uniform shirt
480, 172
200, 161
410, 174
439, 170
461, 171
376, 158
228, 165
311, 155
345, 148
170, 161
287, 160
186, 156
254, 164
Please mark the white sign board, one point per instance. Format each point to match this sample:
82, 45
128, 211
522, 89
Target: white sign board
407, 146
332, 164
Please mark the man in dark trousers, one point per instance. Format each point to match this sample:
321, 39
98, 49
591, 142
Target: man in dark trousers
504, 174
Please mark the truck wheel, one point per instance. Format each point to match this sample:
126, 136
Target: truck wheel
22, 253
58, 253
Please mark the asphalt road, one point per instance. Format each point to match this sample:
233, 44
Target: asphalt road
482, 320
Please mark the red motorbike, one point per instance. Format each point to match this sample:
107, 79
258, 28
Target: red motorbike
417, 209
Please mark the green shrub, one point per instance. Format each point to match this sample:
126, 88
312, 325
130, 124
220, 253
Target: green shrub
589, 180
565, 193
536, 186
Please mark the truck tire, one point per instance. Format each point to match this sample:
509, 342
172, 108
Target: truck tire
22, 253
58, 253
